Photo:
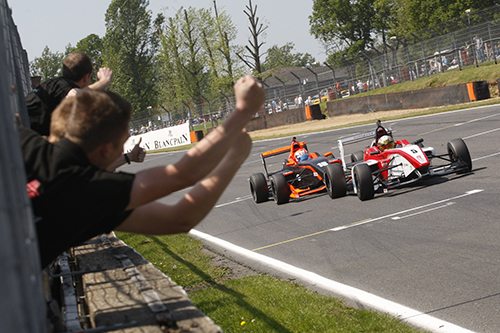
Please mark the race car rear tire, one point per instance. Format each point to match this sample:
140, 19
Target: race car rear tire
357, 156
335, 182
258, 187
458, 152
364, 181
280, 188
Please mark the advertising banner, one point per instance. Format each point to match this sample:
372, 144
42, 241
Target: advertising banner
163, 138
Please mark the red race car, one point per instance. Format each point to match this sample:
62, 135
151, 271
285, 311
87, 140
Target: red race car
386, 163
301, 174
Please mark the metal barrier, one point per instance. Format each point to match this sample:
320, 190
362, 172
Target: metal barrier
22, 307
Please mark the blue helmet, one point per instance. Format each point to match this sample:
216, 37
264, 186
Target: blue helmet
302, 155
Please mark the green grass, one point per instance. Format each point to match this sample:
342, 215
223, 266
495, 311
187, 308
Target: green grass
253, 302
486, 72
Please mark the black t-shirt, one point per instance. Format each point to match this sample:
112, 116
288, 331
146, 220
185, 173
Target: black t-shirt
43, 100
72, 200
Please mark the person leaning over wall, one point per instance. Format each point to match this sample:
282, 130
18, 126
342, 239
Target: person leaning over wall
74, 198
58, 128
76, 74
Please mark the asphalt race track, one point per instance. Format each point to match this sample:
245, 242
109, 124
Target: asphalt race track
433, 247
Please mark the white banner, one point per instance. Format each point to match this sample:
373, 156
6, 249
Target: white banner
164, 138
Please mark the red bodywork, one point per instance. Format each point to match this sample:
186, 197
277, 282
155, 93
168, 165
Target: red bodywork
383, 158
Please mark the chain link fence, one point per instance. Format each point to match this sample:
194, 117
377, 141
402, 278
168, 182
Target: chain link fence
475, 44
22, 305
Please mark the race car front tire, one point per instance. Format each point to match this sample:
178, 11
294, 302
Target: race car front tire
364, 181
258, 187
458, 152
280, 188
335, 182
357, 156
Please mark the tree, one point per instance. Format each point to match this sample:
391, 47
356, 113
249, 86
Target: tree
253, 55
130, 47
196, 63
278, 57
92, 45
48, 65
347, 24
417, 20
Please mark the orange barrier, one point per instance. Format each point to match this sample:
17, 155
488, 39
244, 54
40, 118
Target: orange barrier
196, 136
308, 112
471, 92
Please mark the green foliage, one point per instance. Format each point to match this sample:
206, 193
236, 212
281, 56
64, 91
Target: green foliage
417, 20
344, 23
129, 49
284, 56
196, 65
353, 28
92, 46
48, 65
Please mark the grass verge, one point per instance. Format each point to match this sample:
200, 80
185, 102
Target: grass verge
241, 300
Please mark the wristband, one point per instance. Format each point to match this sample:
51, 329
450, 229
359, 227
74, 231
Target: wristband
126, 158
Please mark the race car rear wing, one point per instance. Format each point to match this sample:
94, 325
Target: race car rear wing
358, 137
271, 153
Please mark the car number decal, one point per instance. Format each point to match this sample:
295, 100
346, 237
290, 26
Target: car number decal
322, 164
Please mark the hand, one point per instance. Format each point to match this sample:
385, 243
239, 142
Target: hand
137, 153
104, 75
249, 95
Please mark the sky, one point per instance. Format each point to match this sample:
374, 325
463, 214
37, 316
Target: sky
57, 23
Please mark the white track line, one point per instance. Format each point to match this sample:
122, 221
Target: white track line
239, 199
483, 157
482, 133
355, 224
404, 313
423, 212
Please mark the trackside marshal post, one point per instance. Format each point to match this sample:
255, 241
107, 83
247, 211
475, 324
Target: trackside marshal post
164, 138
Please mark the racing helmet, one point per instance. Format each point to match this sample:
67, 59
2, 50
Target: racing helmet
301, 155
385, 142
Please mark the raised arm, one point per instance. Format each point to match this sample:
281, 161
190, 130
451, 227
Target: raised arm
200, 160
104, 77
158, 218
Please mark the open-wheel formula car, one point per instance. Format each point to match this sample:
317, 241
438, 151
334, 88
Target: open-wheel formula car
302, 174
387, 164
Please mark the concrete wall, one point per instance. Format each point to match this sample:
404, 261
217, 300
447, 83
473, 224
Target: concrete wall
291, 116
397, 101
